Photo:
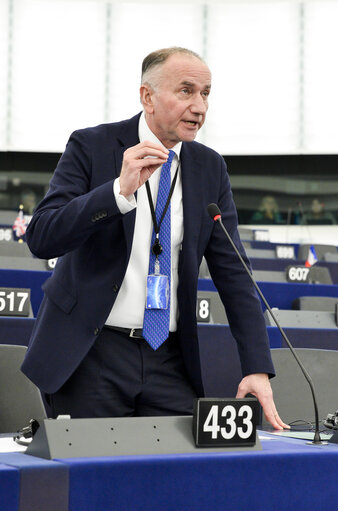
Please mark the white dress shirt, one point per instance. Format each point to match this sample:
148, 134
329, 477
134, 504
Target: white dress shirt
128, 309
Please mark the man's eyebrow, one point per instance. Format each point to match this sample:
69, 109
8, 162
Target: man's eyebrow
190, 84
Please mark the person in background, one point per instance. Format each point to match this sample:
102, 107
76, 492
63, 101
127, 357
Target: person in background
28, 200
318, 215
268, 212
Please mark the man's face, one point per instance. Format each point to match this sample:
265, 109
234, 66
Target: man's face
176, 110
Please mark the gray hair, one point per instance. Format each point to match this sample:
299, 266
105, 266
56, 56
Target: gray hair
158, 58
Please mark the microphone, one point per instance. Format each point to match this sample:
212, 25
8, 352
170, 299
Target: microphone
215, 214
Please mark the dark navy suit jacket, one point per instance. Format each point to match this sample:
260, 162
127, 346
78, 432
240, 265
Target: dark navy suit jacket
79, 222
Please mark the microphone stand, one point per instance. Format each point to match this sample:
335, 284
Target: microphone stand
215, 214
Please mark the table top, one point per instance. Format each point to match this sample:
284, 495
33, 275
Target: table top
286, 474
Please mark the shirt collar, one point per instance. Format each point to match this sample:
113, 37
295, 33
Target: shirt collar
145, 133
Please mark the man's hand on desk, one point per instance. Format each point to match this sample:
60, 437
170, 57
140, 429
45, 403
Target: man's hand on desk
259, 385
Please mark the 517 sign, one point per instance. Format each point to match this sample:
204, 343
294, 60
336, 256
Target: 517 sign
225, 422
14, 301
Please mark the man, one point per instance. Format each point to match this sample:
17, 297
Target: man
88, 351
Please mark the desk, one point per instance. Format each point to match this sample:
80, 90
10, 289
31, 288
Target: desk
26, 278
221, 369
285, 475
32, 484
280, 294
9, 488
282, 264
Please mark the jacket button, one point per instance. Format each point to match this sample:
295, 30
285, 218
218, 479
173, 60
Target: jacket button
96, 331
116, 287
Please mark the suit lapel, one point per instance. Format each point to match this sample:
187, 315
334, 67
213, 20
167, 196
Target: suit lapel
192, 195
128, 137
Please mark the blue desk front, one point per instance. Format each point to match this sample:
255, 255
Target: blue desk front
285, 475
32, 484
9, 487
278, 294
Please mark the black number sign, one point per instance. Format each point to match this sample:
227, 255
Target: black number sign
203, 310
225, 422
14, 301
297, 274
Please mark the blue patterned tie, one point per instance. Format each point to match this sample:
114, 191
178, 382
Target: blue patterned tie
156, 321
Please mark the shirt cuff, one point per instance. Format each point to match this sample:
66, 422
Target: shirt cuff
125, 204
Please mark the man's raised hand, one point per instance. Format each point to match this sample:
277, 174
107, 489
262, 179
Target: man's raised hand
139, 163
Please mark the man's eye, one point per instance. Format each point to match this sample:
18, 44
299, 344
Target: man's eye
185, 91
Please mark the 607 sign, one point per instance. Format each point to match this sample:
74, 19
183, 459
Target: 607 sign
14, 301
297, 274
225, 422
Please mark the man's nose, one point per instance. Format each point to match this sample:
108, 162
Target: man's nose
199, 105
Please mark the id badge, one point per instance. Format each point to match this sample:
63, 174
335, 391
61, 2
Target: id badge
157, 292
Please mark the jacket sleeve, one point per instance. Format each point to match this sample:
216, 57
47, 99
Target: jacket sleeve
235, 288
72, 209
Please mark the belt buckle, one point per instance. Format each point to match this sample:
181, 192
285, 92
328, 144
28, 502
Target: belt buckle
132, 332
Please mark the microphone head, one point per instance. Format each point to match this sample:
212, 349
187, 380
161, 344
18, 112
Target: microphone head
214, 211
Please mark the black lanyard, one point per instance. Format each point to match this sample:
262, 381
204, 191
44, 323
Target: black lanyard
157, 248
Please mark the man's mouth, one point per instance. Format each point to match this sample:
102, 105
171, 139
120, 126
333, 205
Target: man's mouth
191, 123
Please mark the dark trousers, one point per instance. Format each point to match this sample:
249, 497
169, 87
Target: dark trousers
124, 377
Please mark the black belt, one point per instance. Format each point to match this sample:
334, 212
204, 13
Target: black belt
135, 333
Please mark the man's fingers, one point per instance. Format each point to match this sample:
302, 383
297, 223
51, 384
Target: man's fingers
280, 422
146, 172
269, 410
151, 145
135, 165
144, 149
240, 394
272, 415
274, 419
139, 163
259, 386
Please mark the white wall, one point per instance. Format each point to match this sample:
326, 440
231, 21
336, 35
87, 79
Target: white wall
67, 64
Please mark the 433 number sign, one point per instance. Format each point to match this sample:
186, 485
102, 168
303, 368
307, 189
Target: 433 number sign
225, 422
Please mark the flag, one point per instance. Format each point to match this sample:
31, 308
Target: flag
20, 225
311, 257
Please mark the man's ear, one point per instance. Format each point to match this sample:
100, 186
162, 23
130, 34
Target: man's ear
146, 96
